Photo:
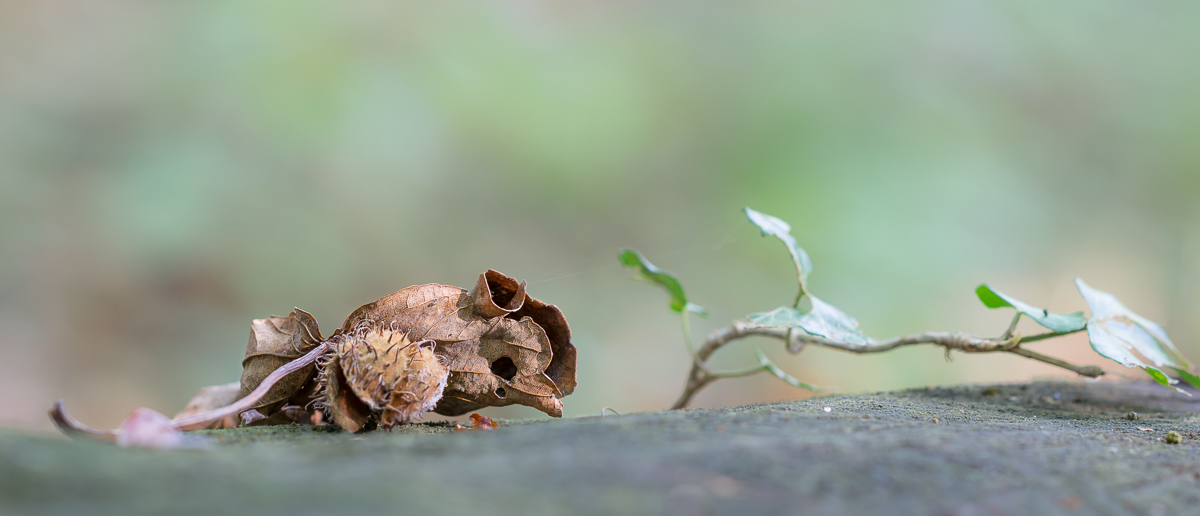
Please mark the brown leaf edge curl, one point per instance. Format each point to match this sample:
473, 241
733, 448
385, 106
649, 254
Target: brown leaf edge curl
502, 346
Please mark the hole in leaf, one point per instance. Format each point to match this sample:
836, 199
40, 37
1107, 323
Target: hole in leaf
501, 295
504, 368
500, 392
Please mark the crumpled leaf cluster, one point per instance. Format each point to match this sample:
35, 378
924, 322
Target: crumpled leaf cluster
426, 347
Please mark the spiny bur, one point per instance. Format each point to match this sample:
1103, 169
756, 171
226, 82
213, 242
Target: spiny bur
377, 376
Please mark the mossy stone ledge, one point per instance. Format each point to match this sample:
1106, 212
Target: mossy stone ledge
1036, 448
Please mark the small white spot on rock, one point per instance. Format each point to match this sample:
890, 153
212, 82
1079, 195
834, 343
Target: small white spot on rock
828, 409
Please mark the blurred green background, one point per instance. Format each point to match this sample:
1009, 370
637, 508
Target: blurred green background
170, 171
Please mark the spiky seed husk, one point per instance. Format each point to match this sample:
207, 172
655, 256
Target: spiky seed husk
379, 374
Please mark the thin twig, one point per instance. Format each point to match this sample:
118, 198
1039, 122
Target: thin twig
1090, 371
700, 376
687, 335
697, 379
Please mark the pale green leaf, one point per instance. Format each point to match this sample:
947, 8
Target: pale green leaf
1055, 322
824, 320
782, 317
1116, 330
783, 231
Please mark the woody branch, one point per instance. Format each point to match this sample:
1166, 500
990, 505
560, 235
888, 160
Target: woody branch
795, 340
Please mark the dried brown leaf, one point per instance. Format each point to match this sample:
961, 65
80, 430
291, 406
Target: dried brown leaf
561, 369
275, 341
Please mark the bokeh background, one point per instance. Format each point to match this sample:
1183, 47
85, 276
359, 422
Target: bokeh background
170, 171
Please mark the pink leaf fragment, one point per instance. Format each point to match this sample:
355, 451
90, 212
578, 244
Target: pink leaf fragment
147, 428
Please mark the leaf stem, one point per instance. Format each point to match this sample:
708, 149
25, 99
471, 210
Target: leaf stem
738, 374
803, 291
687, 336
1049, 335
1090, 371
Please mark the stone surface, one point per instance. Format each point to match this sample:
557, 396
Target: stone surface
1040, 448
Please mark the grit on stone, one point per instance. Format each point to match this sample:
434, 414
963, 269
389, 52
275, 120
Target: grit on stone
1038, 448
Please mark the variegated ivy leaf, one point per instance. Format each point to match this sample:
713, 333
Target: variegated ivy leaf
1116, 332
824, 320
783, 231
1058, 323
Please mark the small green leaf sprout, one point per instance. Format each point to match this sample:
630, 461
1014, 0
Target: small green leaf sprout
701, 374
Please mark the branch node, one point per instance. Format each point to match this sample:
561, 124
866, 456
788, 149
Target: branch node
794, 344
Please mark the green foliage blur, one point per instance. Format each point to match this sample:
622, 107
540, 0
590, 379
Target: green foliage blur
170, 171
